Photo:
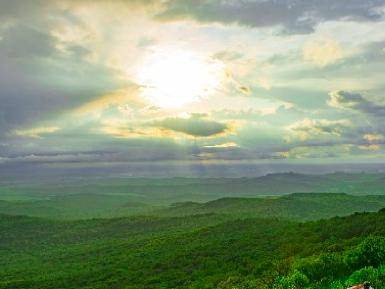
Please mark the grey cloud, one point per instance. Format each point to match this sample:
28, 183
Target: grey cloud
33, 89
16, 9
24, 41
295, 16
78, 51
373, 51
314, 128
194, 126
22, 99
355, 101
25, 98
371, 118
226, 55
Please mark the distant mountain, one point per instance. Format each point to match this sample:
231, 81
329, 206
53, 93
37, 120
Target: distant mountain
203, 189
113, 197
297, 206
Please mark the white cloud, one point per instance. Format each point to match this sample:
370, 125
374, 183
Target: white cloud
309, 128
372, 137
37, 132
322, 52
223, 145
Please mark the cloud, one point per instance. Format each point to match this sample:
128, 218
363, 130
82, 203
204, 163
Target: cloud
191, 125
373, 137
120, 98
38, 79
16, 9
309, 128
322, 52
346, 99
370, 147
22, 41
194, 126
60, 68
355, 101
222, 145
264, 83
292, 16
126, 132
36, 132
244, 89
27, 98
323, 152
228, 55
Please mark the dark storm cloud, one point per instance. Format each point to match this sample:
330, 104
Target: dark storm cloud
295, 16
194, 126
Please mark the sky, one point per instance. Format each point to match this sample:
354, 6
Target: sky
191, 83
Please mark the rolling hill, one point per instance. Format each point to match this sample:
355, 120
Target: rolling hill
297, 206
77, 198
202, 251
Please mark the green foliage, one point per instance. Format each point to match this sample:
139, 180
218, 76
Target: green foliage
329, 270
298, 206
84, 198
371, 252
323, 266
375, 276
237, 282
296, 280
203, 251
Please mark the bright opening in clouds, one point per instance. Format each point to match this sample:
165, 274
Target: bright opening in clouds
288, 82
171, 78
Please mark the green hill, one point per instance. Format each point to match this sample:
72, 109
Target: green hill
76, 206
298, 206
201, 251
164, 191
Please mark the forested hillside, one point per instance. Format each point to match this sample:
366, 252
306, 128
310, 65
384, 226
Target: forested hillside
194, 233
163, 191
201, 251
298, 206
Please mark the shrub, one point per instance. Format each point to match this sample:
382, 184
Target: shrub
295, 280
370, 252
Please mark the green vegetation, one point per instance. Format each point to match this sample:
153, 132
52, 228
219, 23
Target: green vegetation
162, 191
76, 206
244, 197
294, 241
298, 206
201, 251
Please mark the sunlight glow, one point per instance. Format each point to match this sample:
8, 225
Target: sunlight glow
172, 79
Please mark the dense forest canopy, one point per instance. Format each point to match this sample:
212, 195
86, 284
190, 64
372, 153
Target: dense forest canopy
196, 251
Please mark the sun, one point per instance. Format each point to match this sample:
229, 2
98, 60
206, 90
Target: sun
175, 78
